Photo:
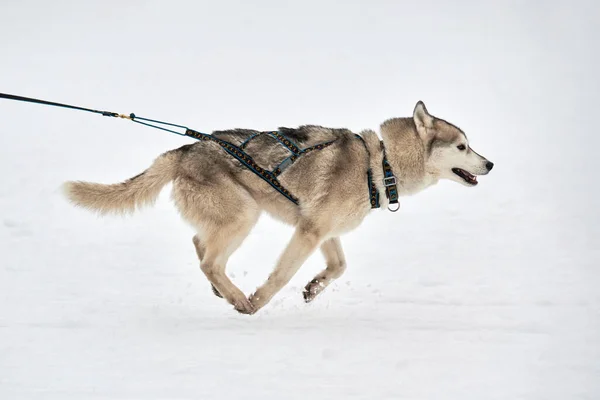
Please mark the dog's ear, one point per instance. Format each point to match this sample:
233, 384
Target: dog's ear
423, 120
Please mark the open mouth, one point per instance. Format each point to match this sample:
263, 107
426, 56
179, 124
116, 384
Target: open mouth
467, 177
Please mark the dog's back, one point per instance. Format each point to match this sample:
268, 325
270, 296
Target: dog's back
205, 162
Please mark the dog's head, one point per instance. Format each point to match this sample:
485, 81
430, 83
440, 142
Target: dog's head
447, 151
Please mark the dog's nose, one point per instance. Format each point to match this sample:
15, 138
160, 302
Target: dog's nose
489, 165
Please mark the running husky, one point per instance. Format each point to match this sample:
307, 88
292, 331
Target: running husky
222, 198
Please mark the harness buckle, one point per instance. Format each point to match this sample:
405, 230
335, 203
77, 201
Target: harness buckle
389, 181
285, 163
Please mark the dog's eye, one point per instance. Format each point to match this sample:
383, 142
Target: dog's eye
461, 147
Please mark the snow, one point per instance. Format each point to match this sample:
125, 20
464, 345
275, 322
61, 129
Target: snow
467, 293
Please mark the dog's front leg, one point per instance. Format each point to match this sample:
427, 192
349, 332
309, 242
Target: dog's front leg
303, 243
336, 265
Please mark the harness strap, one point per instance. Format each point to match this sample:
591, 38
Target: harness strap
268, 176
290, 160
245, 142
246, 160
389, 180
291, 146
373, 192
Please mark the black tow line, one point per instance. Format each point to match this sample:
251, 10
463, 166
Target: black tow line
131, 117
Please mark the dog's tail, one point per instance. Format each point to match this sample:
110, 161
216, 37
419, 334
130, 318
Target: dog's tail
127, 196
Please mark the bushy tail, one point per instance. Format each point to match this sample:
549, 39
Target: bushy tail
127, 196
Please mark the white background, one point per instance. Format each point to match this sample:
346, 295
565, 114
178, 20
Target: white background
468, 293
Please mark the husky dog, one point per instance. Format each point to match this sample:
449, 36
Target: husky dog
222, 199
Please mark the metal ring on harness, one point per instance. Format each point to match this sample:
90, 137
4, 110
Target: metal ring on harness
392, 209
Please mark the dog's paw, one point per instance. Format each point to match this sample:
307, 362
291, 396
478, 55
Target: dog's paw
307, 296
244, 306
312, 289
215, 291
258, 300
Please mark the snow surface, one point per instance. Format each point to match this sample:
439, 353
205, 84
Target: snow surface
483, 293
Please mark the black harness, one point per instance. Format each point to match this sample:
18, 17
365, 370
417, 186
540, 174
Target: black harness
270, 177
237, 152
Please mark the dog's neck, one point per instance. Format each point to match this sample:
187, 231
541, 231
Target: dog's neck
406, 153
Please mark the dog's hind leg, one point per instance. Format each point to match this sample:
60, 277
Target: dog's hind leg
200, 250
219, 248
336, 265
222, 227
